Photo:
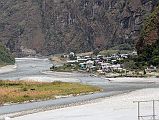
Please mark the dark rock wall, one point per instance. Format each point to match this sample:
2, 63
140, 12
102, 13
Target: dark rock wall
21, 25
54, 26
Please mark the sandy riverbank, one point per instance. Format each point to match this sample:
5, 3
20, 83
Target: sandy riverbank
117, 79
49, 79
112, 108
8, 68
133, 79
72, 77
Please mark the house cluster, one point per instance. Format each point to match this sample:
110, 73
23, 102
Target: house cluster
100, 63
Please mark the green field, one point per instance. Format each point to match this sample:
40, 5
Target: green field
20, 91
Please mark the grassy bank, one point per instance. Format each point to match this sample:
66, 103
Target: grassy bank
66, 68
20, 91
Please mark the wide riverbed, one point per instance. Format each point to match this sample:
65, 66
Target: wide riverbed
37, 69
27, 67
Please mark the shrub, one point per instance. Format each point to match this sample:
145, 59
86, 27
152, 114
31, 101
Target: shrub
5, 56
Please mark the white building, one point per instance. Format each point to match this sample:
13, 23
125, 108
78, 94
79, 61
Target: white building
89, 64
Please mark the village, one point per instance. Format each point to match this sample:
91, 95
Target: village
109, 66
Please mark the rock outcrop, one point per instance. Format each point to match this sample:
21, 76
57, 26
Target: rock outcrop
54, 26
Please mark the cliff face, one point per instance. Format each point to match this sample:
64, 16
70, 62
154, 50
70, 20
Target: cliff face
53, 26
21, 25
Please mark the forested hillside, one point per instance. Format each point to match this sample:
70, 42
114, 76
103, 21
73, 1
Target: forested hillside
148, 44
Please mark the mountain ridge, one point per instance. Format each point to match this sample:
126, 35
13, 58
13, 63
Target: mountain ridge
56, 26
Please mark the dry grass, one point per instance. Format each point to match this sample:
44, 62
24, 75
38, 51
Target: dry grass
85, 54
20, 91
58, 60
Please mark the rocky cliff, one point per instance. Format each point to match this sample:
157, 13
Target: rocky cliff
54, 26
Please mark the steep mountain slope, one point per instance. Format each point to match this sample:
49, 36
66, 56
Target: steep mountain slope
148, 43
53, 26
20, 25
150, 31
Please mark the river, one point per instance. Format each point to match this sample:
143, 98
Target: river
38, 69
27, 67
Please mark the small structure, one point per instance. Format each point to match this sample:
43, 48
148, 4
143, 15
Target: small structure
72, 53
72, 62
134, 53
124, 56
72, 56
82, 66
89, 64
88, 57
81, 60
106, 67
100, 56
151, 69
114, 61
117, 68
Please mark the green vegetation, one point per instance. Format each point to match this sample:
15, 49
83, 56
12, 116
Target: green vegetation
5, 57
148, 45
149, 55
20, 91
65, 68
124, 47
130, 65
150, 23
111, 52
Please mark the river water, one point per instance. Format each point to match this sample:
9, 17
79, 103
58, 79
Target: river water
27, 67
38, 69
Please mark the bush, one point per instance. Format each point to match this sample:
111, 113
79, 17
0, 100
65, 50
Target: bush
124, 46
130, 65
5, 56
25, 89
155, 60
